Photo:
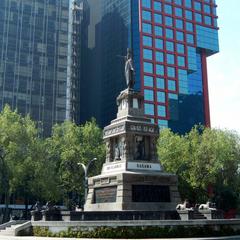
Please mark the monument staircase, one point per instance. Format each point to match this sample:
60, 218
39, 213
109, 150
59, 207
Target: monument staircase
8, 229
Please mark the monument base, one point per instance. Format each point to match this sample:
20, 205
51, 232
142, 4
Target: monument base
132, 191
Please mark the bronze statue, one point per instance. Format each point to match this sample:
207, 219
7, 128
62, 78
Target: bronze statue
129, 70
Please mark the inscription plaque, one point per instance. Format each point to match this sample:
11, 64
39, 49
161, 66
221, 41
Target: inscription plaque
150, 193
144, 166
114, 130
105, 194
141, 128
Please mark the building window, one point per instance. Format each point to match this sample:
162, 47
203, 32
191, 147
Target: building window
188, 3
180, 36
158, 31
149, 109
159, 57
169, 33
171, 72
171, 85
163, 124
147, 41
170, 46
181, 61
173, 96
159, 69
148, 81
189, 26
190, 38
158, 18
189, 15
178, 2
160, 83
161, 97
169, 21
168, 9
157, 6
179, 12
159, 43
147, 28
197, 6
146, 15
207, 9
182, 75
180, 48
148, 67
179, 24
208, 20
161, 111
170, 59
198, 17
146, 3
147, 54
148, 95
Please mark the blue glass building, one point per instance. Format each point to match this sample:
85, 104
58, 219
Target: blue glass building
171, 40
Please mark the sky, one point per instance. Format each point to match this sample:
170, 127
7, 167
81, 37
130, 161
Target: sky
224, 69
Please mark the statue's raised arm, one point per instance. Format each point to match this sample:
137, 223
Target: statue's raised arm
129, 70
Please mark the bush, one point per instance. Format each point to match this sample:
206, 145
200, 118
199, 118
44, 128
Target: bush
139, 232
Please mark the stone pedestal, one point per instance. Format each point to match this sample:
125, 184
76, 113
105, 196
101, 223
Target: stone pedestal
212, 214
132, 191
186, 215
132, 177
52, 215
36, 215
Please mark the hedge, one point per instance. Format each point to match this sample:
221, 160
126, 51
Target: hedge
139, 232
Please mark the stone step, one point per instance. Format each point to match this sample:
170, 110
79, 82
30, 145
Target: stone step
9, 231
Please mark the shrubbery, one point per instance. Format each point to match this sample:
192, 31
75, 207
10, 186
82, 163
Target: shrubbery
139, 232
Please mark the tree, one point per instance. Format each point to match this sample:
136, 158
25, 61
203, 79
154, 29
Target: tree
25, 165
33, 168
69, 145
202, 158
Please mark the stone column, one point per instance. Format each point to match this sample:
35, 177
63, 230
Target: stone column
108, 151
153, 149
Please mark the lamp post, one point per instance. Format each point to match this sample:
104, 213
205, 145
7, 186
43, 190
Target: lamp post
85, 168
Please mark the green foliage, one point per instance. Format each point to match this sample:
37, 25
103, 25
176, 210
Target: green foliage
45, 169
70, 145
202, 158
23, 157
138, 232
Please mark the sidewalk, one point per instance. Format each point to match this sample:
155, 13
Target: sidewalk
44, 238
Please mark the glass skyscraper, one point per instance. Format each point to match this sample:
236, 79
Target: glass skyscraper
171, 40
36, 75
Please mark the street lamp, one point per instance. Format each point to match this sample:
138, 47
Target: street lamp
85, 168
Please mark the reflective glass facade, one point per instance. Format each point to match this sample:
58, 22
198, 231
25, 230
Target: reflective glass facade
171, 40
176, 38
33, 58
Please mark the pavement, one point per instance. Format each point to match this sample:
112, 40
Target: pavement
45, 238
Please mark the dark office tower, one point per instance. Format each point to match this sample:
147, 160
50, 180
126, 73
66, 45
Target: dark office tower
171, 40
34, 66
77, 53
